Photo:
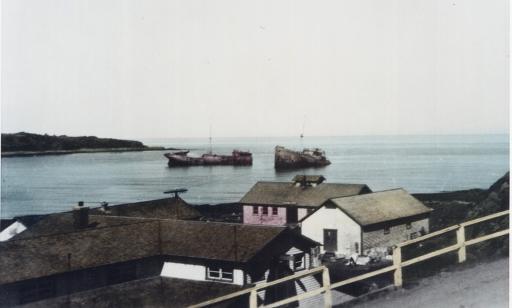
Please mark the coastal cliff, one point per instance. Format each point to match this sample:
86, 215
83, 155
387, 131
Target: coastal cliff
27, 144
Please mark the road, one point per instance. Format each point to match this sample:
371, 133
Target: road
482, 285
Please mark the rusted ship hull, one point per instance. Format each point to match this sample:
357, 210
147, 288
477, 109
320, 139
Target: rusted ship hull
181, 159
288, 159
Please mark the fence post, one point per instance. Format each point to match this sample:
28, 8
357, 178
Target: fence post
253, 299
326, 283
397, 262
461, 241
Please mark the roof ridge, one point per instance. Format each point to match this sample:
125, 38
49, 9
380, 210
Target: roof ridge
370, 193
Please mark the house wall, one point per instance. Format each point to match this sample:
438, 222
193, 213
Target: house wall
302, 212
195, 272
349, 232
397, 234
260, 219
184, 271
276, 220
76, 281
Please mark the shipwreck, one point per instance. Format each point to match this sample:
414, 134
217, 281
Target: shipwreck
289, 159
181, 158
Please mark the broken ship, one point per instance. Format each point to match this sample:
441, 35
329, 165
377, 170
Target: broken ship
181, 158
289, 159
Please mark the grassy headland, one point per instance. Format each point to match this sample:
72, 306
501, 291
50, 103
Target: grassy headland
27, 144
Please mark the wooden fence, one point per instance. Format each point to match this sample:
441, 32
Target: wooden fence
398, 265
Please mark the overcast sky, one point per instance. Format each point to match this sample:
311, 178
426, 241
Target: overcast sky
171, 68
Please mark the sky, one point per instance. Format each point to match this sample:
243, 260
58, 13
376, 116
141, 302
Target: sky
175, 68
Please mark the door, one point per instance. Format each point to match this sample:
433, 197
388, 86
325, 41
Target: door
330, 240
292, 215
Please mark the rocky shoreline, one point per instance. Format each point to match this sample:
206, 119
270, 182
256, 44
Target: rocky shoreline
27, 144
63, 152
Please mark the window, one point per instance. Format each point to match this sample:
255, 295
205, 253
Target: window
274, 210
414, 235
356, 247
254, 210
408, 226
422, 231
386, 230
219, 273
298, 262
264, 210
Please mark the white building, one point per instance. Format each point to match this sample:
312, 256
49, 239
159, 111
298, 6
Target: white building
359, 223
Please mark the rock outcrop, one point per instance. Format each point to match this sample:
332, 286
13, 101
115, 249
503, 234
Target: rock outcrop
22, 141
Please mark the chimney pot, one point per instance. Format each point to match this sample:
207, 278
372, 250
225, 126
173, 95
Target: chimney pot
80, 215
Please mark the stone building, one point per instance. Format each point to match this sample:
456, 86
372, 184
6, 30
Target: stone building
359, 223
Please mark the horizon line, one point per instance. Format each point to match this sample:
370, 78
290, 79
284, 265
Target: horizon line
279, 136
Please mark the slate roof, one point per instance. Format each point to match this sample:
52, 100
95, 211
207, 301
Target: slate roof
168, 208
288, 194
150, 292
218, 241
54, 246
26, 220
381, 206
62, 223
53, 253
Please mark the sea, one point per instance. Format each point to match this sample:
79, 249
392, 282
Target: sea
420, 164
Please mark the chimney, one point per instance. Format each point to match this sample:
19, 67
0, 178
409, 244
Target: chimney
80, 215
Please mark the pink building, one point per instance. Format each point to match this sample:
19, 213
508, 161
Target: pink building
281, 203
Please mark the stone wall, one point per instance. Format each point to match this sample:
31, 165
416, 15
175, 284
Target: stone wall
397, 234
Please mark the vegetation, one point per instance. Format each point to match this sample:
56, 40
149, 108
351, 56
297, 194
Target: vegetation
453, 208
33, 142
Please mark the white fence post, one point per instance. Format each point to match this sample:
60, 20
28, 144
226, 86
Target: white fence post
461, 242
253, 299
397, 262
327, 287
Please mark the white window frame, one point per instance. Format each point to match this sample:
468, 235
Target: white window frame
302, 261
219, 273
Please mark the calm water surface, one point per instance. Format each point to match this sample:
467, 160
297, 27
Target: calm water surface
35, 185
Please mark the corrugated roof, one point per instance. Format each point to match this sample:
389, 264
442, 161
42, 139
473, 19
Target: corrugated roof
287, 193
381, 206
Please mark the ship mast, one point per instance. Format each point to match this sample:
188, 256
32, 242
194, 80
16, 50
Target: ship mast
303, 124
210, 139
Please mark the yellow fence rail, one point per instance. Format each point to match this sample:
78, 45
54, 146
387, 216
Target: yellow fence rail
396, 268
